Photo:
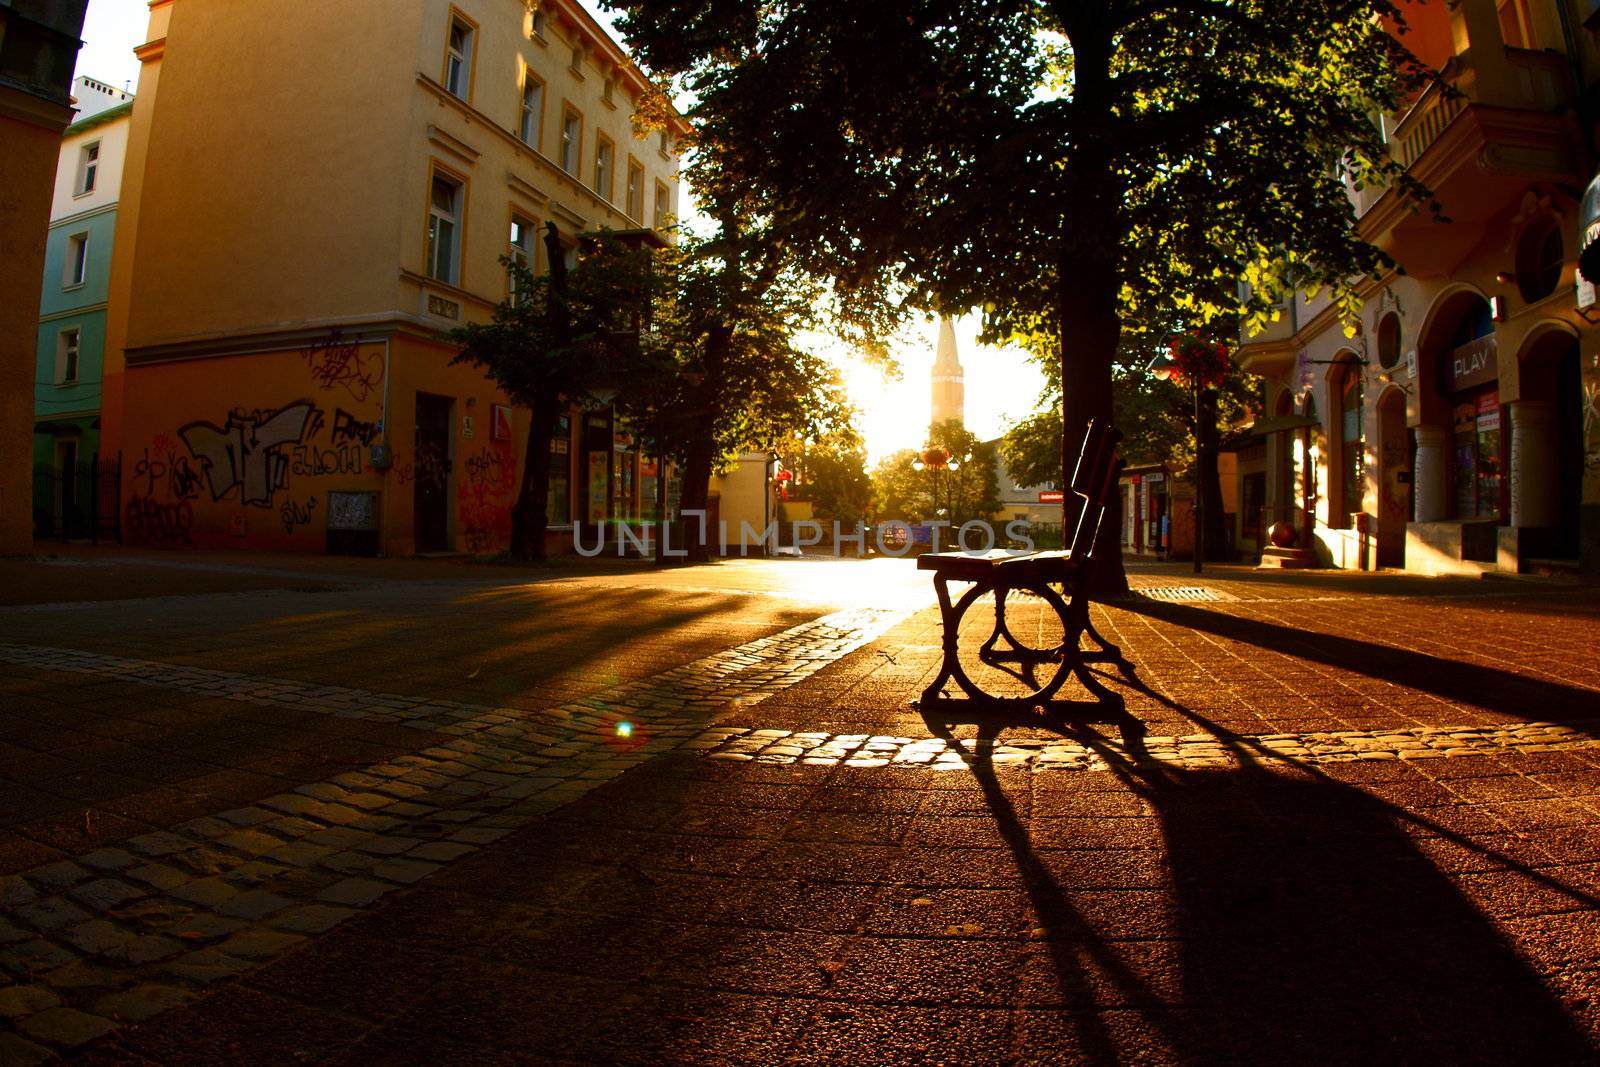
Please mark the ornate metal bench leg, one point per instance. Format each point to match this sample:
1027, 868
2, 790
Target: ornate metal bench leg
950, 623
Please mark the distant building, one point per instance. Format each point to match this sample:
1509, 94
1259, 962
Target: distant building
949, 381
38, 47
315, 195
72, 311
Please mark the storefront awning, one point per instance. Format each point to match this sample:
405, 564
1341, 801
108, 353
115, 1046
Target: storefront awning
1281, 424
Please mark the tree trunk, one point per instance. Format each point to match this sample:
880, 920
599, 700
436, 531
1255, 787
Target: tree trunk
661, 505
696, 493
530, 515
1210, 479
1090, 282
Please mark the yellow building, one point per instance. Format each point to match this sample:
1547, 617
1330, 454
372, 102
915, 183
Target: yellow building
1451, 434
38, 45
315, 192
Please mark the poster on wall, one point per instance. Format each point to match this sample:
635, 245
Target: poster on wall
599, 479
499, 422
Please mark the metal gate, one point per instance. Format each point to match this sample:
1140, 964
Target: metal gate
80, 501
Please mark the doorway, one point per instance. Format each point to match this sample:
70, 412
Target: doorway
431, 506
68, 522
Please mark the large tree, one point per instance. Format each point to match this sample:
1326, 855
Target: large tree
1068, 166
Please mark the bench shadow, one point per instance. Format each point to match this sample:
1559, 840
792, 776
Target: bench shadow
1513, 695
1311, 926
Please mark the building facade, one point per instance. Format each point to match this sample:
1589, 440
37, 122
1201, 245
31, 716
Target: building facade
314, 196
38, 47
72, 312
1458, 430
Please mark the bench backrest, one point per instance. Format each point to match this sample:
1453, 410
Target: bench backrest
1089, 494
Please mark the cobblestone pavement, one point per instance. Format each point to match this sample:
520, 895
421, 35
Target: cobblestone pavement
689, 818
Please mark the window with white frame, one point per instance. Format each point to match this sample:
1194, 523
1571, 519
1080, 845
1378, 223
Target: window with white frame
571, 135
532, 109
76, 271
458, 59
522, 251
635, 205
444, 228
67, 356
603, 154
88, 167
663, 213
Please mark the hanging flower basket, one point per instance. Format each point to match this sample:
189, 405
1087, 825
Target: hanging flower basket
1198, 360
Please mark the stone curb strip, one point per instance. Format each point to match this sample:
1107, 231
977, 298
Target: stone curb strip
122, 933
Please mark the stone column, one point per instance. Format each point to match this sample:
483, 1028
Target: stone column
1431, 488
1533, 463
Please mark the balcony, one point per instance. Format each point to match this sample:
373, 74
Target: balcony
1502, 124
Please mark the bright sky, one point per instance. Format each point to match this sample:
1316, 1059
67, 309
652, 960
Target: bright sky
1002, 385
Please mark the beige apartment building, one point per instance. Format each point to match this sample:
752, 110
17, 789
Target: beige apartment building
316, 191
1458, 431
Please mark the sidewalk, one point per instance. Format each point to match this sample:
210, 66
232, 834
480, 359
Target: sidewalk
1365, 826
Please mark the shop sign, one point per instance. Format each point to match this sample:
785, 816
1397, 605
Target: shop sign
1155, 477
1489, 411
1050, 496
1471, 364
622, 441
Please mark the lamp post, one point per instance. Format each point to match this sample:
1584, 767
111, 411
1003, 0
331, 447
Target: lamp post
934, 459
1164, 367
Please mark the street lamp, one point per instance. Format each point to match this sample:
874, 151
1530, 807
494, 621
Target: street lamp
1164, 367
934, 459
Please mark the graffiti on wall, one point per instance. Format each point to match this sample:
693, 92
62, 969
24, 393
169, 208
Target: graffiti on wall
293, 514
249, 452
347, 429
484, 497
158, 522
335, 363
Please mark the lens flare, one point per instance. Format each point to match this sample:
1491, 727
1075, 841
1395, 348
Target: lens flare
624, 729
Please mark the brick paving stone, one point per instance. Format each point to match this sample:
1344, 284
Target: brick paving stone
65, 1026
355, 892
19, 1000
139, 1003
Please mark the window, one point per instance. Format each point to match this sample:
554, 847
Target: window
458, 59
663, 214
603, 153
664, 143
444, 225
609, 91
532, 109
635, 203
571, 137
538, 22
88, 167
1351, 445
523, 245
557, 499
1389, 341
77, 266
1539, 260
577, 59
67, 356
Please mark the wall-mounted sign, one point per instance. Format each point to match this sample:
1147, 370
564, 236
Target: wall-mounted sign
499, 422
448, 309
1411, 363
466, 426
1473, 363
1050, 496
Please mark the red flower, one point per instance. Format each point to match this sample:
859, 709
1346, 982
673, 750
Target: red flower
1198, 361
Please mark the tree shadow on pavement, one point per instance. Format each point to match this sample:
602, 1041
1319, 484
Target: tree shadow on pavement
1515, 696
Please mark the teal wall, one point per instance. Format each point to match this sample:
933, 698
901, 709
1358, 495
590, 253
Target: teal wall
100, 228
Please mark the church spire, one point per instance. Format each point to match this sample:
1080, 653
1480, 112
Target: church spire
949, 384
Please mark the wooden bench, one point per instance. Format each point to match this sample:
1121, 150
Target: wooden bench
1061, 579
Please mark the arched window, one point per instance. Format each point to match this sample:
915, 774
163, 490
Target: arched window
1352, 444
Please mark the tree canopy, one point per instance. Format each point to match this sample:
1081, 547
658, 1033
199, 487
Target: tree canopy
1073, 168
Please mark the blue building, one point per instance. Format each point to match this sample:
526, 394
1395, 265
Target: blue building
72, 311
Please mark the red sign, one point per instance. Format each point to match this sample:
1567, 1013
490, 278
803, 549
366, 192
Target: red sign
1049, 496
499, 422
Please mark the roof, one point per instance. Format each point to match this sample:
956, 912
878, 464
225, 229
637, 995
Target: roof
99, 118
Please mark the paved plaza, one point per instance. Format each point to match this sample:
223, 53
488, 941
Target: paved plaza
258, 809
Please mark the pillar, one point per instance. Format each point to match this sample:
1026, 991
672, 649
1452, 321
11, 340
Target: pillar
1431, 490
1533, 463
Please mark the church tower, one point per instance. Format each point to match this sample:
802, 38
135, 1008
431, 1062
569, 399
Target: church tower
949, 385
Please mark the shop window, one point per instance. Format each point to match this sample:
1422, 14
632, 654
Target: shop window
1352, 445
444, 226
1389, 341
1539, 260
558, 498
458, 58
1476, 446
